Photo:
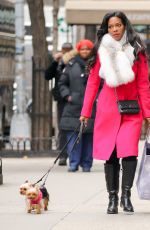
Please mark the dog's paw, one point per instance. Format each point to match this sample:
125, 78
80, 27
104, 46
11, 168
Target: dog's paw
29, 211
38, 211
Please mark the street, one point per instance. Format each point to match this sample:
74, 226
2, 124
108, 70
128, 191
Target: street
77, 200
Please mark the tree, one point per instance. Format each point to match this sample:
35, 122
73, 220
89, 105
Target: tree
42, 102
55, 24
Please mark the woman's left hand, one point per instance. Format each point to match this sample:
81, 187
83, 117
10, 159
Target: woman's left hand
148, 119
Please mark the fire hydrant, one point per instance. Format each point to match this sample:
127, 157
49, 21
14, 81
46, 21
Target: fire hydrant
1, 175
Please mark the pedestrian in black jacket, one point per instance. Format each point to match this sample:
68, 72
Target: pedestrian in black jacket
72, 88
54, 71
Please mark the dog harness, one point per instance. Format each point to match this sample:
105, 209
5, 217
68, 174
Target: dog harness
38, 199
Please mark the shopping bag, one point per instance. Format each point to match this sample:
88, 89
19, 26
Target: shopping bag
143, 181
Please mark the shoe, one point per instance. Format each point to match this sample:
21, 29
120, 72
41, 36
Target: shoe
86, 170
112, 185
125, 202
62, 162
113, 203
72, 169
128, 174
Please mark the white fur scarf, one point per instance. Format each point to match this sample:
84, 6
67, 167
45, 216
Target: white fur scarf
116, 59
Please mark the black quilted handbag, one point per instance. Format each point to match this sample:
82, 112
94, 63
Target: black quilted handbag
128, 106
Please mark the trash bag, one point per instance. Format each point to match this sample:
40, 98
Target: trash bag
143, 181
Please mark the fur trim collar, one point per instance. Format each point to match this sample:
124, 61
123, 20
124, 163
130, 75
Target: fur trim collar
69, 55
116, 59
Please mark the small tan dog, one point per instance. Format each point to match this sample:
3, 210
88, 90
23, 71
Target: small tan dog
34, 195
24, 187
23, 191
36, 198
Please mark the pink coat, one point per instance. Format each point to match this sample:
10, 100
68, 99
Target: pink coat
111, 128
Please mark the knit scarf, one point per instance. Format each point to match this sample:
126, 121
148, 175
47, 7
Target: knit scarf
116, 58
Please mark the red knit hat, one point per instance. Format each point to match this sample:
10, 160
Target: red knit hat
83, 43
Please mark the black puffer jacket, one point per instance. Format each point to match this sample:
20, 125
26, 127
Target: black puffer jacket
73, 83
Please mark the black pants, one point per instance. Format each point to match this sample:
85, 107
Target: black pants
114, 160
61, 133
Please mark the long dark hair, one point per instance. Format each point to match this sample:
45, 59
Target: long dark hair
132, 37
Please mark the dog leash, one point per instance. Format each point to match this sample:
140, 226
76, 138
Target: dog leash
77, 140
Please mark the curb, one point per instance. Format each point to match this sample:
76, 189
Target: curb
30, 153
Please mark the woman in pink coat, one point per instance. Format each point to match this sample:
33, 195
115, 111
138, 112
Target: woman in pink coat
119, 58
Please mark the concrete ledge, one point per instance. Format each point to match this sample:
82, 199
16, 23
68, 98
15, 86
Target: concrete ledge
20, 154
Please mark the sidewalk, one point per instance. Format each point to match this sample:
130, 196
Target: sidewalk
78, 200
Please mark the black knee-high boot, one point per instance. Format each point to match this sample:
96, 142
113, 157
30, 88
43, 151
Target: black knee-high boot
128, 173
112, 184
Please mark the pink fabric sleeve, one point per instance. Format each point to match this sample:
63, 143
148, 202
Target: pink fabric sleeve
143, 85
91, 90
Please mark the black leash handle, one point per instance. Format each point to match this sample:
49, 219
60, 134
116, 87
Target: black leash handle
58, 156
78, 139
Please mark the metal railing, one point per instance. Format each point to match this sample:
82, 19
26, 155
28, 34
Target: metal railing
24, 146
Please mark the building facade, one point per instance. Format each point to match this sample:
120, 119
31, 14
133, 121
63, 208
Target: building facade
7, 64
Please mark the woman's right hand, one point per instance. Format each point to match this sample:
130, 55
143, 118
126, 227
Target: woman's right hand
85, 120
